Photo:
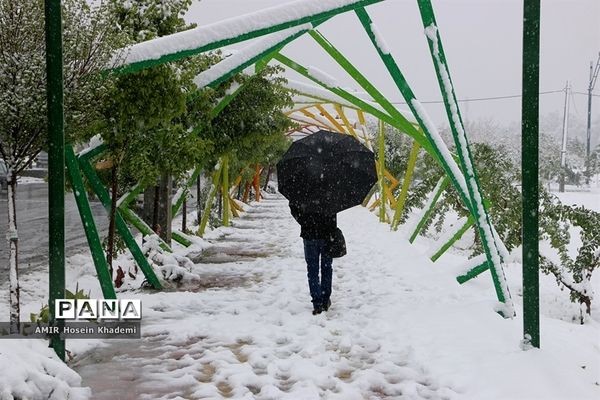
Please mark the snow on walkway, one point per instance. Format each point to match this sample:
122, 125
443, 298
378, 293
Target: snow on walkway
400, 327
255, 337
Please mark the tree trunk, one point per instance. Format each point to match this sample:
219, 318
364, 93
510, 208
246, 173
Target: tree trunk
269, 171
256, 183
13, 242
148, 209
246, 193
583, 299
164, 207
114, 186
220, 206
155, 226
198, 203
184, 217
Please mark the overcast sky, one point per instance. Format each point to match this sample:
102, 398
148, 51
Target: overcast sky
482, 41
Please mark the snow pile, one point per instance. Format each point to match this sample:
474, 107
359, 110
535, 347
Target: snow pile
31, 370
28, 180
94, 142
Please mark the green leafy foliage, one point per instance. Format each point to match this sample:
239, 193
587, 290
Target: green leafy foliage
251, 128
571, 272
150, 115
42, 317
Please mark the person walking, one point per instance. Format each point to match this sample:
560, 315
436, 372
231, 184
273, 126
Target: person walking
316, 230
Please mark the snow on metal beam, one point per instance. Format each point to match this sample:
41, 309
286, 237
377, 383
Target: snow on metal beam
248, 56
318, 93
229, 31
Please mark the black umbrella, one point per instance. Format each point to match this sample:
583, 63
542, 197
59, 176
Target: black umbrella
326, 173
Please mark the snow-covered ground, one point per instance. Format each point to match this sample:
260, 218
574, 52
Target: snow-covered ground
240, 326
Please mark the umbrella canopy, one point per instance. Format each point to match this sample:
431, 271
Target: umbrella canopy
326, 173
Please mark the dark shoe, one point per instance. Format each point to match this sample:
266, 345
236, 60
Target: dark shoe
317, 310
326, 305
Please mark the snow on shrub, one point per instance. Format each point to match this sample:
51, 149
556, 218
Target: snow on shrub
29, 369
572, 266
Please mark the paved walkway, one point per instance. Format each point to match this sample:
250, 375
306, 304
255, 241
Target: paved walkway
244, 329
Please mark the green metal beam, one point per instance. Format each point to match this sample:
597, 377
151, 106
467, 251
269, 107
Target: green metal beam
253, 33
141, 225
405, 127
409, 96
465, 157
89, 226
186, 189
349, 67
131, 195
56, 164
456, 236
258, 60
474, 272
181, 239
96, 151
529, 168
437, 192
122, 227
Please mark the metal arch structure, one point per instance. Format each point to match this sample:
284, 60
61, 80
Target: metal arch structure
275, 32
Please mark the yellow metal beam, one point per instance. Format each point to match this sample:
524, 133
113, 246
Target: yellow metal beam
363, 127
302, 121
412, 160
330, 117
319, 119
393, 180
340, 111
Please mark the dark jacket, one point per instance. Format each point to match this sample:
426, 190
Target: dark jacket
314, 226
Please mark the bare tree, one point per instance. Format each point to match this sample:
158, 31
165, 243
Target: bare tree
87, 50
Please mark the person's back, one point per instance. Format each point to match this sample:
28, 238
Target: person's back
314, 226
316, 229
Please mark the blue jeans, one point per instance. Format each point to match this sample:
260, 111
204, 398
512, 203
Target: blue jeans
320, 291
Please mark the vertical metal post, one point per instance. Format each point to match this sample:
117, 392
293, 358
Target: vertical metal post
565, 133
588, 131
381, 171
593, 76
56, 163
529, 170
